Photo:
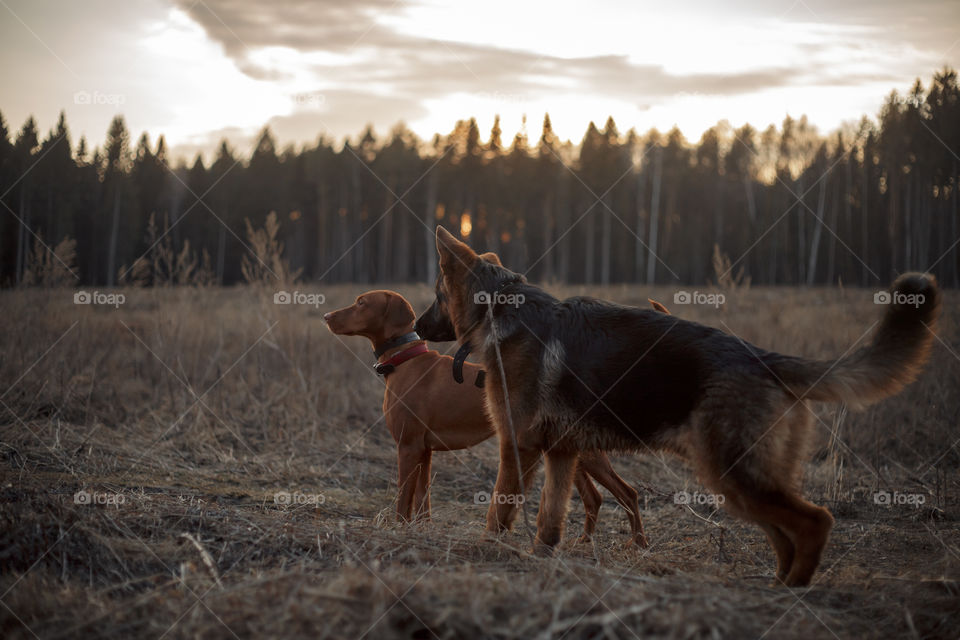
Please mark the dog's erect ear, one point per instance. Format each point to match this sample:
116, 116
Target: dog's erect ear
398, 315
659, 307
453, 253
492, 258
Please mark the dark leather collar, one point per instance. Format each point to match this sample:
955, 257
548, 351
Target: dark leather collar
392, 343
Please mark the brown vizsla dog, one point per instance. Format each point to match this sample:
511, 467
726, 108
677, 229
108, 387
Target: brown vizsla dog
427, 411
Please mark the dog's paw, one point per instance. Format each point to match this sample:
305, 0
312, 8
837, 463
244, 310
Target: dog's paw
638, 541
583, 539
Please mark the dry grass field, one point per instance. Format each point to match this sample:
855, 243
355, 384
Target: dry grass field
142, 448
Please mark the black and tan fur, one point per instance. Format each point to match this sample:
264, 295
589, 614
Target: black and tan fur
584, 374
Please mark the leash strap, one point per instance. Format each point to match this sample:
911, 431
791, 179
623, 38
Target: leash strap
513, 430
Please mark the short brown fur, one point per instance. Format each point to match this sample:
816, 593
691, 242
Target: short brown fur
426, 410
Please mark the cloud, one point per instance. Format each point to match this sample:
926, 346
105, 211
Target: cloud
382, 61
410, 67
343, 110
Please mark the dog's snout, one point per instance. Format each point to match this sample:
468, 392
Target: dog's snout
327, 316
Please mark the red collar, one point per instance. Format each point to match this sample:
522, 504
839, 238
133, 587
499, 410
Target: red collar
386, 367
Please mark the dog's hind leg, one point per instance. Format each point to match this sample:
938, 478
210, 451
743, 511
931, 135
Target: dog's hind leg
758, 487
591, 499
560, 468
421, 498
797, 530
808, 528
597, 466
782, 547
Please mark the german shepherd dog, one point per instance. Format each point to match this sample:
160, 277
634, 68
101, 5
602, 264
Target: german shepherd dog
583, 375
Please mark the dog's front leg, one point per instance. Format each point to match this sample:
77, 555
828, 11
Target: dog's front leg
560, 468
408, 463
507, 495
422, 494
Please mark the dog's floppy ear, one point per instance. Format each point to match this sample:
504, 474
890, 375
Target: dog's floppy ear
453, 253
398, 314
492, 258
659, 307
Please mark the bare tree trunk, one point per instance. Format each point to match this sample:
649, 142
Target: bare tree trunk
385, 243
864, 224
847, 210
403, 269
751, 198
549, 222
346, 262
321, 249
907, 227
641, 219
654, 216
114, 232
430, 216
605, 242
23, 242
361, 271
221, 249
589, 240
923, 237
817, 230
563, 223
802, 213
834, 223
954, 232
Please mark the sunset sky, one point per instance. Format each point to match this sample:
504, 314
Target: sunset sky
200, 70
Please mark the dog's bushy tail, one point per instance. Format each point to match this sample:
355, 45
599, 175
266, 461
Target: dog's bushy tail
895, 356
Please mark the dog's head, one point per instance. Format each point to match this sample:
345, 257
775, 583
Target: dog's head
434, 323
377, 315
464, 278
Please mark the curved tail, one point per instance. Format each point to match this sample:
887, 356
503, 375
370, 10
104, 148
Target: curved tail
896, 355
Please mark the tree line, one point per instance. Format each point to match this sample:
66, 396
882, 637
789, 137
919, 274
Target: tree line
783, 205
